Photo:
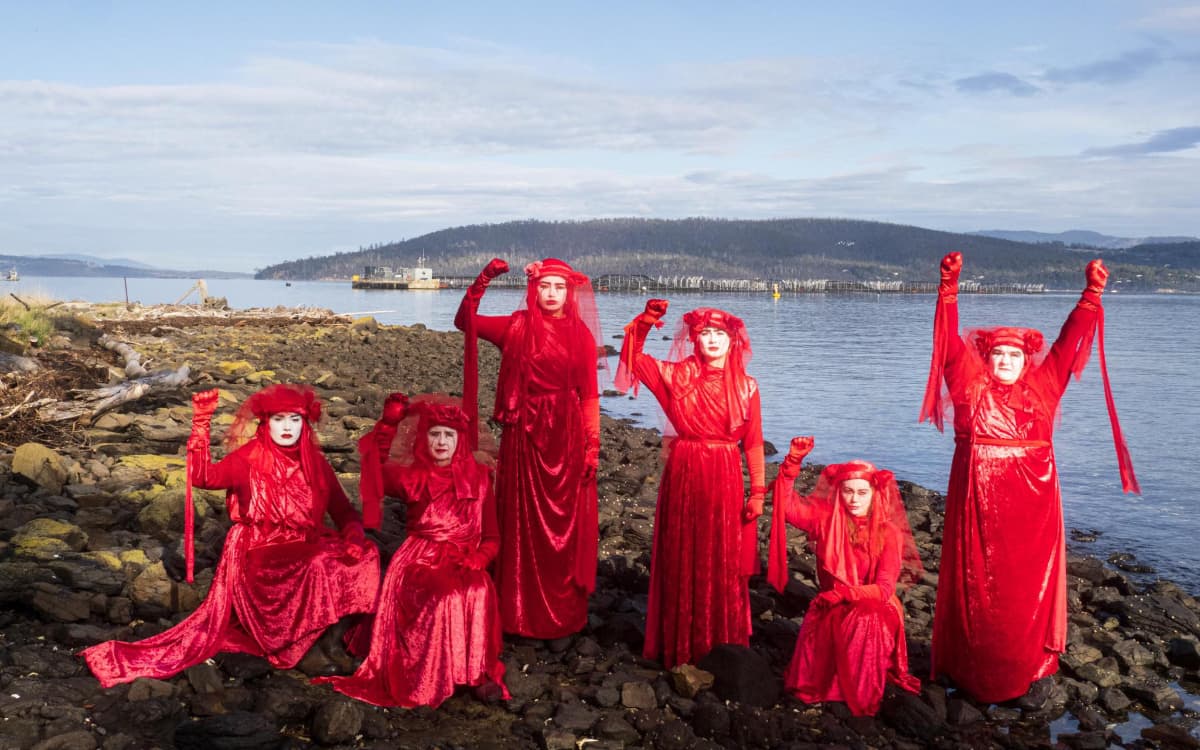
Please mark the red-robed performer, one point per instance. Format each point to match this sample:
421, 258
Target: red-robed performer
1000, 621
705, 532
283, 576
548, 405
851, 643
437, 625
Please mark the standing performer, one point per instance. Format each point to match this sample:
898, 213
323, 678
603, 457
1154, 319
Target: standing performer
283, 576
437, 625
548, 405
1001, 615
851, 643
705, 533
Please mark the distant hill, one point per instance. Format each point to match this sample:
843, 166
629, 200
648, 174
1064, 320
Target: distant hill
838, 249
1081, 238
86, 265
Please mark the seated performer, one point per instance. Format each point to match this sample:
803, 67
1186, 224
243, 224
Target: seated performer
705, 530
1000, 620
437, 625
283, 576
852, 640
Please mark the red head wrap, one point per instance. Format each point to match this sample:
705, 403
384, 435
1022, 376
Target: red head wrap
281, 398
1028, 340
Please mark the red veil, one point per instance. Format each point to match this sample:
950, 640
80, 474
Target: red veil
839, 532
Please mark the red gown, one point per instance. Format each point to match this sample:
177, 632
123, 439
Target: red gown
850, 650
437, 625
1000, 621
703, 552
283, 576
547, 505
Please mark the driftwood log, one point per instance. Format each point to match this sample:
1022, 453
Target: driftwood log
95, 402
129, 356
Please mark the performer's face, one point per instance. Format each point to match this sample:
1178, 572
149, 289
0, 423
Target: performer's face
552, 294
286, 427
443, 441
857, 495
714, 345
1006, 363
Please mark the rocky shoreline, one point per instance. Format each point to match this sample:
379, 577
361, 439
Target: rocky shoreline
90, 527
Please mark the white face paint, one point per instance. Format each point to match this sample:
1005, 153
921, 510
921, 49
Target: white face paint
443, 441
1006, 363
714, 345
857, 494
552, 294
285, 428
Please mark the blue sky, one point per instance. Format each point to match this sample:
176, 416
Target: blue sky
235, 135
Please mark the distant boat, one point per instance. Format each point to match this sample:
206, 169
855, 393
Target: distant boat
13, 275
383, 277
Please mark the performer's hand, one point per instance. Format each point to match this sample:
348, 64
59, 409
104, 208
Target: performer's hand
476, 561
494, 268
204, 404
394, 408
754, 507
799, 448
950, 269
1097, 276
353, 539
828, 598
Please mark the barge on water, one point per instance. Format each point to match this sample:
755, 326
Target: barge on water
385, 277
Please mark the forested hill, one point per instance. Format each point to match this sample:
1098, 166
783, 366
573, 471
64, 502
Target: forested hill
767, 249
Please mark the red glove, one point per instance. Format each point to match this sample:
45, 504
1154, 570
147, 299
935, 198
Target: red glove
494, 268
354, 539
754, 506
477, 560
204, 404
951, 268
800, 447
394, 408
655, 309
829, 598
1097, 276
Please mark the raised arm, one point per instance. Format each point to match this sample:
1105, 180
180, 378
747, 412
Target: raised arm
782, 493
1071, 350
202, 472
491, 327
635, 366
947, 345
373, 448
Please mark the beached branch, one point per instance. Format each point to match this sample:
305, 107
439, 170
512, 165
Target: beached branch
131, 358
95, 402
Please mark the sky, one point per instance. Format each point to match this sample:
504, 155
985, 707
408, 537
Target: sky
230, 136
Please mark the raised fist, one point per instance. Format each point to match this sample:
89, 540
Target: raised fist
394, 408
494, 268
656, 308
1097, 276
801, 446
951, 267
204, 403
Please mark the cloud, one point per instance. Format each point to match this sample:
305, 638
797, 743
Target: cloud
1178, 19
1164, 141
1124, 67
995, 81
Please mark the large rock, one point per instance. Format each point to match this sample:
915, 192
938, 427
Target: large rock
48, 539
42, 465
741, 674
337, 722
238, 730
152, 588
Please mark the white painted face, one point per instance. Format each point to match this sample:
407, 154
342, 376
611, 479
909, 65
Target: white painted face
714, 345
857, 494
1006, 363
286, 427
443, 441
552, 294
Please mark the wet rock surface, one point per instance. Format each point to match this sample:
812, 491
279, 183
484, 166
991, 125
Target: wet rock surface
90, 549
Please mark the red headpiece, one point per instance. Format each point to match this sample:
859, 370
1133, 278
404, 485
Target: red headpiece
1028, 340
281, 398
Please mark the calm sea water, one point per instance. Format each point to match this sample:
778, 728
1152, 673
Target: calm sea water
851, 371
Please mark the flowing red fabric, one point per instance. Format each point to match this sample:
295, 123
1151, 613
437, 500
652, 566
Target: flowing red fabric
283, 576
703, 552
850, 650
1000, 619
546, 495
437, 625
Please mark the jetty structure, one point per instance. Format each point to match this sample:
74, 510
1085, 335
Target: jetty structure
419, 277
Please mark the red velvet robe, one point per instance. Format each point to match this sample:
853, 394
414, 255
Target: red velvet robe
437, 625
547, 506
283, 576
1001, 614
849, 651
703, 553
